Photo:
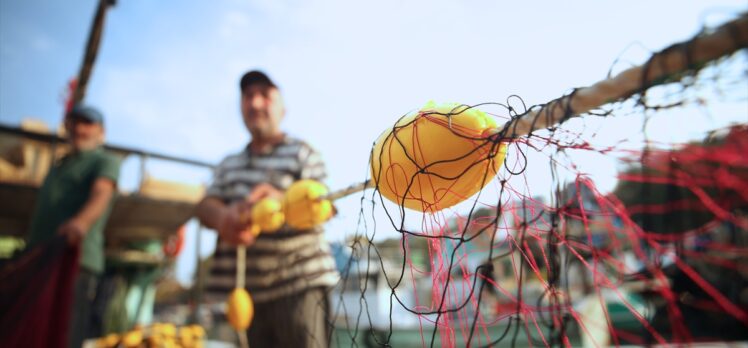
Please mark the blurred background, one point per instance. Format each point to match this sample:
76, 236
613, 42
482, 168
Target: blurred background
167, 72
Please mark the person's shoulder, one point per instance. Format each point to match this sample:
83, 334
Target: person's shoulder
234, 158
107, 164
106, 154
238, 154
302, 146
107, 157
290, 140
293, 147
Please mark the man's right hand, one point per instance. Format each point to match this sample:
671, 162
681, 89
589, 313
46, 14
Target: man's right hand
233, 225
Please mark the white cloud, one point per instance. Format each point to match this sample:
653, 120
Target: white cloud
234, 25
41, 43
270, 7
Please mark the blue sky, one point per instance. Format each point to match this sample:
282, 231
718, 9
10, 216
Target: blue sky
167, 72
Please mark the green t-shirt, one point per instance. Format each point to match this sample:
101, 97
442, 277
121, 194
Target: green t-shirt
64, 192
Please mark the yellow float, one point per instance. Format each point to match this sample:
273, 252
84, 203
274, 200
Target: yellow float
436, 157
304, 205
132, 338
267, 215
239, 309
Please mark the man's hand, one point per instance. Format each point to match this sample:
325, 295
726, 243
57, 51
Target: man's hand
232, 222
261, 191
233, 225
74, 230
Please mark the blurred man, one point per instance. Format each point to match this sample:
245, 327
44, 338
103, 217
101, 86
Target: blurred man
288, 272
74, 201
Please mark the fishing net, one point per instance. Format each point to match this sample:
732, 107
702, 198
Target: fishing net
540, 228
36, 295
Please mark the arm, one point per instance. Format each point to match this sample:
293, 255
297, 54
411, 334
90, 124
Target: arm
75, 229
209, 212
219, 216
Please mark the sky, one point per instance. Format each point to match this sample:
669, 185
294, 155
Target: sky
167, 73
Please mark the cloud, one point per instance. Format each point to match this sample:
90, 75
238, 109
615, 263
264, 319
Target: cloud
234, 25
41, 43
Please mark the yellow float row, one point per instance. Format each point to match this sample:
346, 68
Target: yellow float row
158, 335
303, 207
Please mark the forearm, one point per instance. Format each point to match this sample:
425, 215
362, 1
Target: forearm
96, 205
209, 212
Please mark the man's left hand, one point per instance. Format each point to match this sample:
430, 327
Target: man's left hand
74, 230
261, 191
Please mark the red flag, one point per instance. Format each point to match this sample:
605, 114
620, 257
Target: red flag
69, 97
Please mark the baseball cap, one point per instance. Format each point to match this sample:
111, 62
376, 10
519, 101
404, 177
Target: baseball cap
86, 113
255, 77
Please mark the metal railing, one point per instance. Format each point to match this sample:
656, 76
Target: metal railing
143, 155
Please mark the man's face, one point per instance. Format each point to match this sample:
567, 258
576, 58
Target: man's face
84, 134
262, 110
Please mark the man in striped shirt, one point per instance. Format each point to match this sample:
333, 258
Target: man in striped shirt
288, 272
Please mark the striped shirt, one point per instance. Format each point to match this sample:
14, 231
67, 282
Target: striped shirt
282, 263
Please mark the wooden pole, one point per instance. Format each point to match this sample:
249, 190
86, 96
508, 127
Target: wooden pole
92, 50
665, 66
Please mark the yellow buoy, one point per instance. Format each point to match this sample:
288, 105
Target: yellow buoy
197, 330
267, 214
186, 337
303, 207
169, 330
239, 309
112, 340
437, 157
155, 340
109, 341
132, 338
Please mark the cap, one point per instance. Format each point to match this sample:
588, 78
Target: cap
255, 77
87, 113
